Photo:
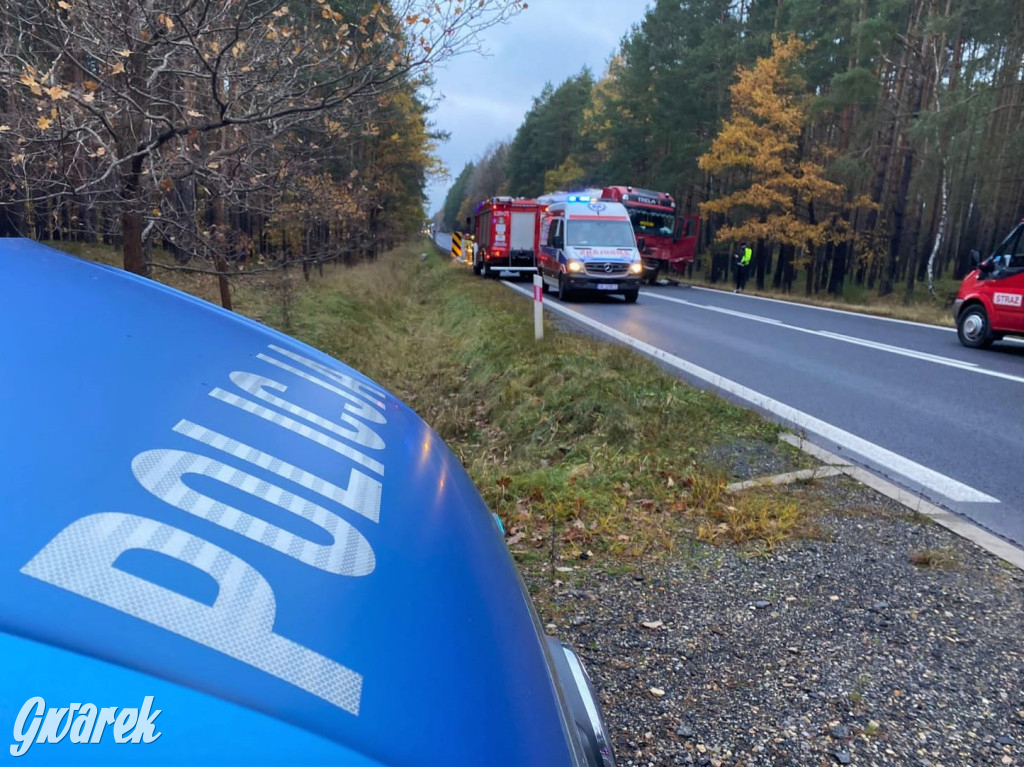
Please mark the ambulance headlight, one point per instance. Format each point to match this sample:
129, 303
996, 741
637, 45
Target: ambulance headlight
575, 266
636, 267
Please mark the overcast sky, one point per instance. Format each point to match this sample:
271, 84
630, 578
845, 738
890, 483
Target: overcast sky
483, 99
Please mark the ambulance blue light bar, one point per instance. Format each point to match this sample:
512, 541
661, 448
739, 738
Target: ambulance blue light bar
578, 198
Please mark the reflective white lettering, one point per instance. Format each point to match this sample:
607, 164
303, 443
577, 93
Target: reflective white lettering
161, 472
239, 624
361, 496
360, 434
299, 428
368, 391
355, 405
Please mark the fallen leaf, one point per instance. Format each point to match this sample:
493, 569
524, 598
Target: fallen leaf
652, 624
657, 692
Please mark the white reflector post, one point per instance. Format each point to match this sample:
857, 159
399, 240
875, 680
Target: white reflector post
538, 307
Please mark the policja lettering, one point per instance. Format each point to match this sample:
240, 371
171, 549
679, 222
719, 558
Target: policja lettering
130, 725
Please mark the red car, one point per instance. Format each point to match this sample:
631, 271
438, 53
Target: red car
990, 303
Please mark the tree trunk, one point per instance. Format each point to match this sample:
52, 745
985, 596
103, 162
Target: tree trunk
223, 284
131, 222
943, 212
838, 271
811, 255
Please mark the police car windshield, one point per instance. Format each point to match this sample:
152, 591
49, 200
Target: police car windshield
600, 234
648, 222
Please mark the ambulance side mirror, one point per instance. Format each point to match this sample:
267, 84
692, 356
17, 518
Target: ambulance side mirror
558, 241
641, 243
975, 258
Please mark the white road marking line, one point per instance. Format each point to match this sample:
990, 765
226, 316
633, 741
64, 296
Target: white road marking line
848, 312
915, 472
971, 367
903, 351
962, 527
825, 309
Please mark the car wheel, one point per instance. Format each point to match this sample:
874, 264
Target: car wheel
973, 328
631, 296
485, 271
476, 267
544, 287
563, 290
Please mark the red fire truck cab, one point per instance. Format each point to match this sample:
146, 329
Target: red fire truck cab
990, 303
667, 240
506, 230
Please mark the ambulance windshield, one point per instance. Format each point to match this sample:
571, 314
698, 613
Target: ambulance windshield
600, 234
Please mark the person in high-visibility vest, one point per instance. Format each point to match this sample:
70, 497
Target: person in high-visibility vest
742, 264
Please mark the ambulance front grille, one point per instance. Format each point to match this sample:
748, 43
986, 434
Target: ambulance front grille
606, 268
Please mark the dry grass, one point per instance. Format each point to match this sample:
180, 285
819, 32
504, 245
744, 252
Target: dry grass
944, 558
764, 517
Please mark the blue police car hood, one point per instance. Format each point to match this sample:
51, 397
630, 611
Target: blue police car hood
268, 547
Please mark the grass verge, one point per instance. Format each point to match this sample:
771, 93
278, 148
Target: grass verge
583, 448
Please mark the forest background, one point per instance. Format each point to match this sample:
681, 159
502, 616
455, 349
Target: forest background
225, 137
861, 144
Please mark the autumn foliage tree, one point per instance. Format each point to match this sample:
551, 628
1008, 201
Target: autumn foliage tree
184, 123
777, 194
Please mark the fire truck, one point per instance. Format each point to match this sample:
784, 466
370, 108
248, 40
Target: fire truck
505, 231
666, 239
990, 303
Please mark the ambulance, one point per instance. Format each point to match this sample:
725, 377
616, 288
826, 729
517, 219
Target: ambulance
586, 244
990, 303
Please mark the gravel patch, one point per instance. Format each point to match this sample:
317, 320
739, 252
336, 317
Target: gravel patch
746, 459
835, 651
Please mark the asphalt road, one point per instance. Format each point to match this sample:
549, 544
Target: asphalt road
904, 400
